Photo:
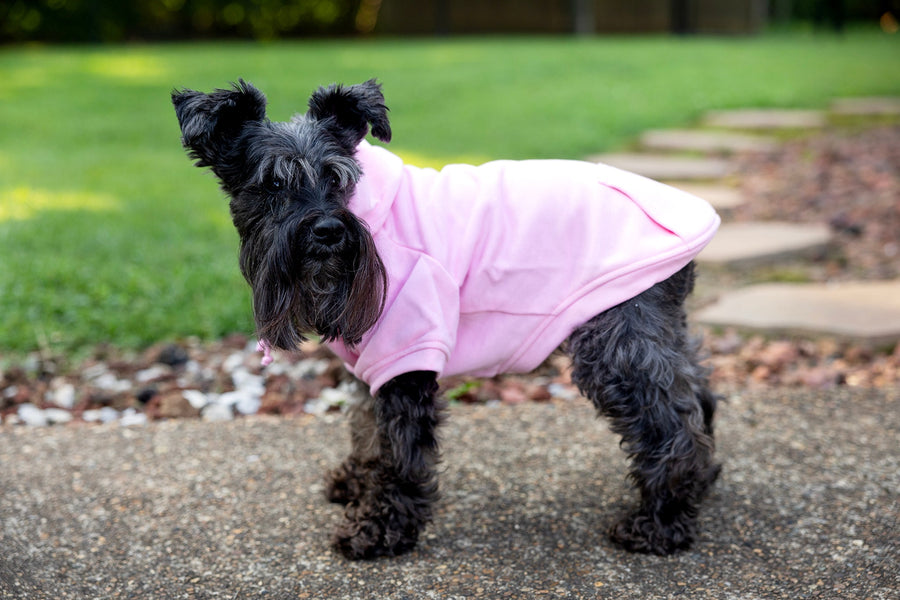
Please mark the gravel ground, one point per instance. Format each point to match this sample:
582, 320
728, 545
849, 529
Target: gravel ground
847, 178
807, 507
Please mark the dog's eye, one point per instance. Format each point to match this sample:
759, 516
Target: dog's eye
275, 184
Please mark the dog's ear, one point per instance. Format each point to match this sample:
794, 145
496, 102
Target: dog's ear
347, 112
212, 123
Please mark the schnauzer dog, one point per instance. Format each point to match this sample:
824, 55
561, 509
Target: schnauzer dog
409, 274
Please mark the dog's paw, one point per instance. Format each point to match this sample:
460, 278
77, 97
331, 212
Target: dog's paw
640, 532
359, 539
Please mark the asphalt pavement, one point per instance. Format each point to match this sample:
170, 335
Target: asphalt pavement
808, 506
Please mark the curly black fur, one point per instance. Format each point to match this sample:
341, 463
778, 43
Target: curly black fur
389, 483
346, 483
639, 367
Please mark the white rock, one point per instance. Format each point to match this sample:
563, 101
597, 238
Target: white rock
152, 374
234, 361
335, 396
192, 367
32, 415
11, 391
62, 395
57, 416
244, 402
246, 381
217, 412
111, 383
91, 416
194, 373
248, 405
341, 396
228, 398
563, 392
108, 414
103, 415
276, 368
316, 406
195, 398
95, 371
309, 368
32, 363
132, 417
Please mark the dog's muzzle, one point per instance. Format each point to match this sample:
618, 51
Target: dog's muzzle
329, 231
324, 236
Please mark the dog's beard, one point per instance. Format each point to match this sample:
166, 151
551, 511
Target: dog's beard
301, 289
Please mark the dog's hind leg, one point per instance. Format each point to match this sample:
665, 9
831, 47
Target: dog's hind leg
637, 364
399, 482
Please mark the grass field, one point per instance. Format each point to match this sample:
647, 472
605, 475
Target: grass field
108, 234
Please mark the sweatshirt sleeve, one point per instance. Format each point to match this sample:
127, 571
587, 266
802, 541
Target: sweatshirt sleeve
417, 331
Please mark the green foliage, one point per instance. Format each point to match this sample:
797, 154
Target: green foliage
109, 234
852, 9
463, 389
94, 21
110, 21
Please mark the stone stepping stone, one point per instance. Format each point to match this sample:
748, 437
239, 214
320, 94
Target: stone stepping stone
876, 106
722, 197
761, 242
693, 140
863, 311
764, 119
663, 166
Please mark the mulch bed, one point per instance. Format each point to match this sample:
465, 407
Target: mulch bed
848, 179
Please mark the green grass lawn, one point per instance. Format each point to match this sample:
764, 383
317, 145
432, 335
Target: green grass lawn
108, 234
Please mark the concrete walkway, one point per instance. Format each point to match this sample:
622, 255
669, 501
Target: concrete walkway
866, 107
808, 506
862, 311
766, 119
664, 166
743, 244
724, 197
706, 141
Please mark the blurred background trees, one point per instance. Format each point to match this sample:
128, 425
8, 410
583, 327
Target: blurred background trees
116, 21
131, 20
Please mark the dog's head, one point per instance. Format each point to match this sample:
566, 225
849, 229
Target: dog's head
311, 263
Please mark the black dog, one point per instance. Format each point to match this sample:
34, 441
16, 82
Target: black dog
410, 273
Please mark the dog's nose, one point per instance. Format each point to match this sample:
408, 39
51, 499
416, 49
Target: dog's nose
328, 231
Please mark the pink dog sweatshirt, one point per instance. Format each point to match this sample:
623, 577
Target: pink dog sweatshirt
490, 268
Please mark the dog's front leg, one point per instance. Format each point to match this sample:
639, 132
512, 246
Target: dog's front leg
347, 482
394, 503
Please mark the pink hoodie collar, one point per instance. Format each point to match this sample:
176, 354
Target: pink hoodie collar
378, 186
